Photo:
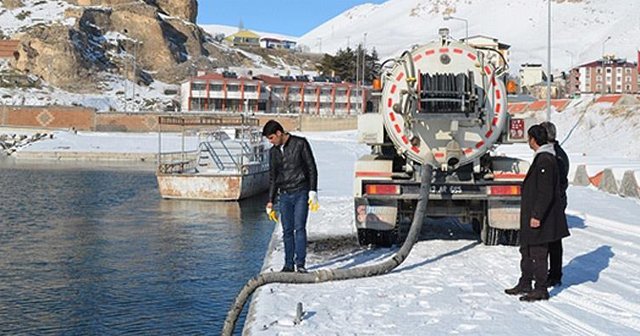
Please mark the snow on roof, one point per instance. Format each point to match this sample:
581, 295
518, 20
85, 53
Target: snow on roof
245, 34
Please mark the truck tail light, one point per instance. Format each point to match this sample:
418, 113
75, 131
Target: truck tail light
504, 190
382, 189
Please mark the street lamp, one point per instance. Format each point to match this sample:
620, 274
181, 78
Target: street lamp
466, 25
604, 74
572, 55
603, 43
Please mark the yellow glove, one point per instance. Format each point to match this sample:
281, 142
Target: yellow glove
272, 214
314, 205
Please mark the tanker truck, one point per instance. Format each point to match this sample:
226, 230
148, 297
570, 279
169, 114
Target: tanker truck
443, 104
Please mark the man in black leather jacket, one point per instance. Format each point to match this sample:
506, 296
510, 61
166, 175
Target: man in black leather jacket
293, 177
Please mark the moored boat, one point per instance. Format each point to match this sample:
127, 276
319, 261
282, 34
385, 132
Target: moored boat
230, 163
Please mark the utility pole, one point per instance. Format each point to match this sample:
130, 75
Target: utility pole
135, 68
364, 57
549, 63
358, 65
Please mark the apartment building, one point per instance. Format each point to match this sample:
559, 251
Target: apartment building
227, 92
607, 75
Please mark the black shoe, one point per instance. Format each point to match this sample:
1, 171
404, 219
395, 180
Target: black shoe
553, 282
301, 269
518, 290
287, 269
536, 295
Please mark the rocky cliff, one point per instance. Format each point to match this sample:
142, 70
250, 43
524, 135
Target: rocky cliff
141, 40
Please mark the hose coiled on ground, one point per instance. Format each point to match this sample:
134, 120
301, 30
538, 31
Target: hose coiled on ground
326, 275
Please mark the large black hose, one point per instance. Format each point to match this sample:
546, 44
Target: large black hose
326, 275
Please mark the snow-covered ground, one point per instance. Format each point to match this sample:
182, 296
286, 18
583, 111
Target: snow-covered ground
112, 142
450, 283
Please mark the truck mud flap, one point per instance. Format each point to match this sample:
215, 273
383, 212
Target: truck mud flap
375, 214
503, 214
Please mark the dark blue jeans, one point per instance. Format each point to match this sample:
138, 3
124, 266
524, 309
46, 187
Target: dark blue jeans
293, 215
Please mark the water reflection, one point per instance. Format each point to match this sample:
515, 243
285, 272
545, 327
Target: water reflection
99, 252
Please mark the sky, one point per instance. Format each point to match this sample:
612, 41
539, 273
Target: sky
290, 17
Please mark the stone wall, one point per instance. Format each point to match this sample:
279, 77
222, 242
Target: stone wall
311, 123
320, 124
126, 122
86, 119
81, 118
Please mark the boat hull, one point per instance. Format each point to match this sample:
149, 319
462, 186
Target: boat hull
213, 187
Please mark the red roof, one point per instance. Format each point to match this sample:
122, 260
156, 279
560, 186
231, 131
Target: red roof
517, 107
539, 105
609, 99
277, 81
219, 77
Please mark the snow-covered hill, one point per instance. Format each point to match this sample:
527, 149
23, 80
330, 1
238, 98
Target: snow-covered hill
579, 27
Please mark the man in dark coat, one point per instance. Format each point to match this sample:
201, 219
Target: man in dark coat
294, 177
554, 278
542, 218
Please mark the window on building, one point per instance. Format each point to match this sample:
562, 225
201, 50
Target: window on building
599, 78
599, 70
608, 70
598, 87
618, 87
309, 91
628, 78
197, 104
250, 88
215, 87
198, 86
619, 70
232, 87
627, 88
627, 70
294, 90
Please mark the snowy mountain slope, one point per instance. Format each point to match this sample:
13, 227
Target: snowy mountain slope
578, 27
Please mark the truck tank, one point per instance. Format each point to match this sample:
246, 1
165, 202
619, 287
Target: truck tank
444, 104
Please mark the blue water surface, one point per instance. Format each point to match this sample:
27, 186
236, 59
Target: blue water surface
98, 252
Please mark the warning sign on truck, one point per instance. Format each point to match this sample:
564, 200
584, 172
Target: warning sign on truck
516, 129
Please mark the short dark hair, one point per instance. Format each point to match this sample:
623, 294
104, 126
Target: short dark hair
551, 129
271, 127
539, 134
